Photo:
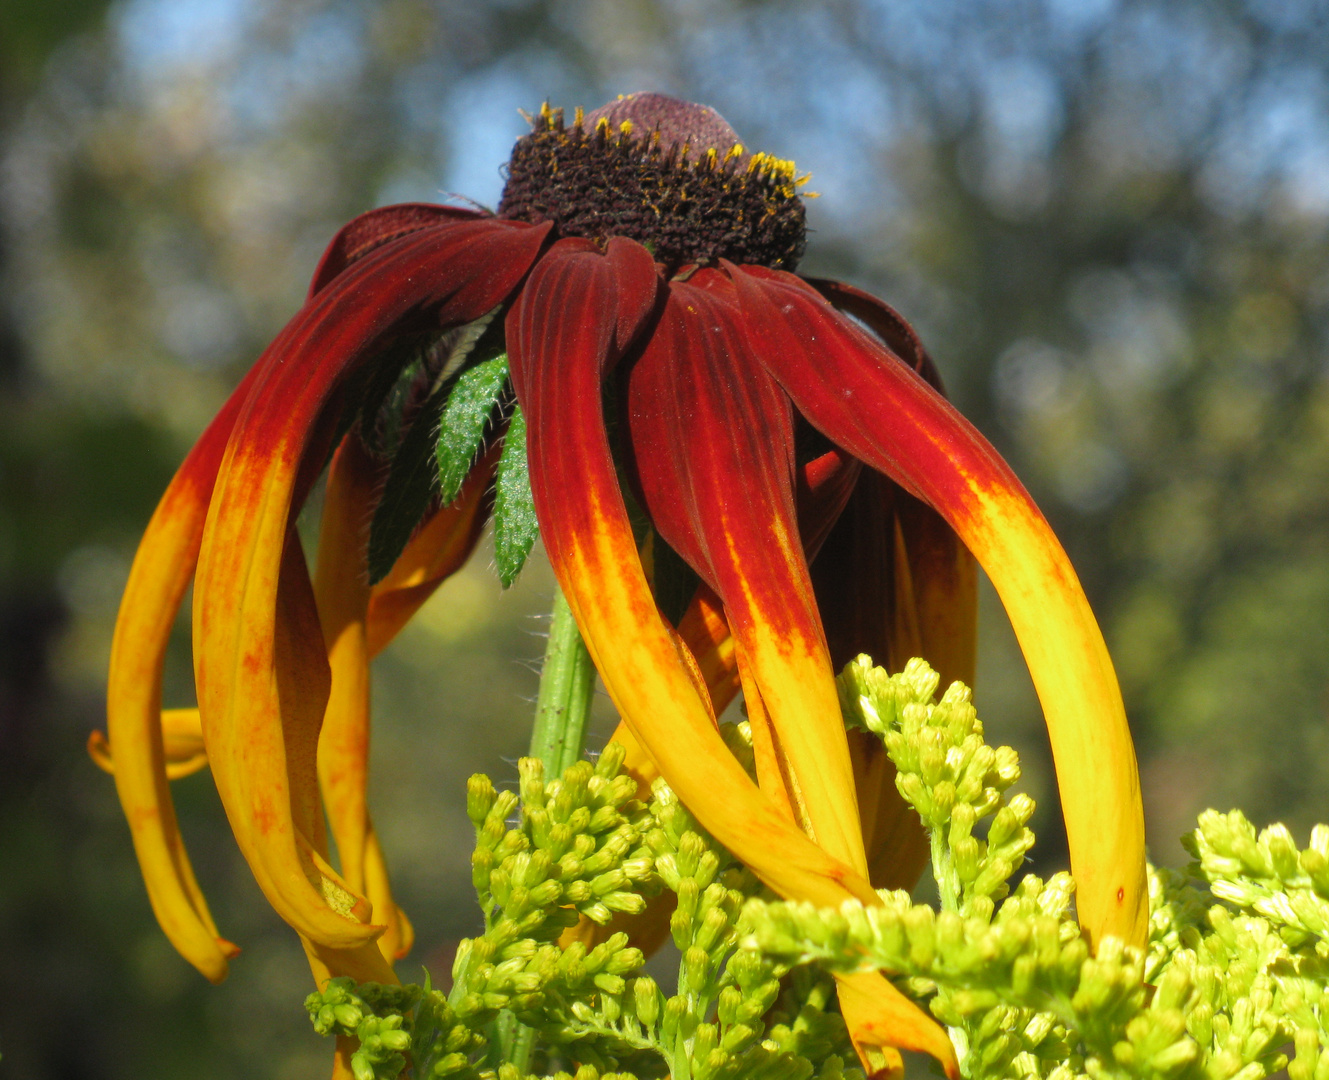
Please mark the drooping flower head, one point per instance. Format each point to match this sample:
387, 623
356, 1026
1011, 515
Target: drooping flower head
742, 477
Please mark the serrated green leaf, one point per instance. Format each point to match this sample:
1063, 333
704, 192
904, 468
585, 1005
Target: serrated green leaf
411, 437
515, 527
462, 425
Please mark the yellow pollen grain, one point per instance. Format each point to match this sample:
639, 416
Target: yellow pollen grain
602, 127
625, 128
579, 116
735, 151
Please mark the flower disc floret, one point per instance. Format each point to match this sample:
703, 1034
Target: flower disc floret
672, 176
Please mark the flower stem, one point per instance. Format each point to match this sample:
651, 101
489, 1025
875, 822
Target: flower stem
567, 685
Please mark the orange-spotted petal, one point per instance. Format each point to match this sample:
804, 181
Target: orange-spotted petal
341, 589
714, 459
430, 279
158, 579
864, 399
882, 1021
436, 551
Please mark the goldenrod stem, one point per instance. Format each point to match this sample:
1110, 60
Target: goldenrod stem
567, 685
515, 1042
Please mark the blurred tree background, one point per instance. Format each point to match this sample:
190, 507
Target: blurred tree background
1106, 217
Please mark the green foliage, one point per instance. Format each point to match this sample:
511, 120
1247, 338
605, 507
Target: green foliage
1236, 963
515, 527
465, 418
948, 775
584, 844
1236, 969
443, 396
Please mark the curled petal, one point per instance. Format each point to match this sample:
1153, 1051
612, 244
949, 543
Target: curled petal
363, 963
577, 315
894, 581
713, 452
885, 322
399, 936
361, 235
774, 774
274, 774
824, 486
705, 631
865, 400
433, 278
437, 550
182, 745
880, 1019
341, 588
157, 582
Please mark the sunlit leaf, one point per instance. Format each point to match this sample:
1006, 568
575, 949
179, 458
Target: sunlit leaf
465, 417
515, 527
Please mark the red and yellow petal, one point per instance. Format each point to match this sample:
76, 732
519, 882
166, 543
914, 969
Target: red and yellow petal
162, 570
434, 277
864, 399
577, 315
341, 588
893, 581
713, 454
437, 550
884, 321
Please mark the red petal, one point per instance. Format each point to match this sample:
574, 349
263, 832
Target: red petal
358, 237
823, 487
430, 279
885, 322
713, 442
893, 581
576, 316
864, 399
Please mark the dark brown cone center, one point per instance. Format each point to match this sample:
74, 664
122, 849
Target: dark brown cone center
667, 173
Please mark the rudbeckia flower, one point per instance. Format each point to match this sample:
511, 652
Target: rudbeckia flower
741, 476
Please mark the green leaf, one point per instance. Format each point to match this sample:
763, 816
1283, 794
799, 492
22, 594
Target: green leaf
515, 527
462, 425
412, 436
